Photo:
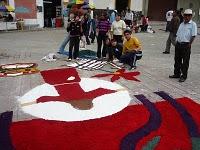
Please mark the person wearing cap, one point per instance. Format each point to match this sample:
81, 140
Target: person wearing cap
186, 34
131, 47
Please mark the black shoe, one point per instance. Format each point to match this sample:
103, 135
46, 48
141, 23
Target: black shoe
165, 52
174, 76
182, 79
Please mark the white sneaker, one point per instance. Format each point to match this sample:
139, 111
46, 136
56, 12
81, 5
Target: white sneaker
120, 64
115, 60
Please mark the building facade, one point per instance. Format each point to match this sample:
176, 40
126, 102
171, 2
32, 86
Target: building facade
41, 12
157, 12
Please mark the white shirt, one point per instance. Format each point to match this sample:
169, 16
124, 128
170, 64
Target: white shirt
169, 15
186, 31
129, 16
118, 27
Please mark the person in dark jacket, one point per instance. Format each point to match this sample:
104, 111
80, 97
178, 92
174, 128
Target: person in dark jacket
115, 50
86, 27
173, 28
75, 30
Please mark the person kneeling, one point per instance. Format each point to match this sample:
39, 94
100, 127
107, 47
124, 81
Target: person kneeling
131, 47
115, 51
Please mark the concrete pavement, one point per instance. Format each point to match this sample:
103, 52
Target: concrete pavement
155, 67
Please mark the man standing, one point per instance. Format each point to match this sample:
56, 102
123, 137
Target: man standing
129, 18
185, 36
169, 17
173, 27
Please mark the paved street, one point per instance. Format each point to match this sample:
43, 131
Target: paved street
155, 67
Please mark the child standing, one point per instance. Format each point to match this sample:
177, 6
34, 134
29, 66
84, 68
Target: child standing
75, 30
103, 27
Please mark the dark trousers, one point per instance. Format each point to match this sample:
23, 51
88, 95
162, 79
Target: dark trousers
128, 22
87, 40
74, 44
101, 40
167, 26
112, 52
144, 28
182, 59
118, 38
129, 58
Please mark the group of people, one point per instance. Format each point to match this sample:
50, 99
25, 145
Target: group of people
132, 22
182, 34
119, 44
110, 36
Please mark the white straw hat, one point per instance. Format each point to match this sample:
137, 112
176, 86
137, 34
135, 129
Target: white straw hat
188, 12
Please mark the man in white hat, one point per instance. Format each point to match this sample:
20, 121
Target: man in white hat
185, 36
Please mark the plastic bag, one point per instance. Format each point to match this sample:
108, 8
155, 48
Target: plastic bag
82, 45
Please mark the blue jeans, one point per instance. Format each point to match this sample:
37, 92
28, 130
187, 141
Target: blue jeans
64, 43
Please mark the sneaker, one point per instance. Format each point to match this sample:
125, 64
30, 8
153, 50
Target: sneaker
132, 67
69, 59
115, 60
104, 58
119, 64
165, 52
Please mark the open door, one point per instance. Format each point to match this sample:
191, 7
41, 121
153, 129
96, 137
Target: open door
122, 5
158, 13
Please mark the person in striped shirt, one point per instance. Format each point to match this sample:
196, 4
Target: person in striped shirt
103, 28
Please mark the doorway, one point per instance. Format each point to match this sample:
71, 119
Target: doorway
158, 13
50, 12
122, 5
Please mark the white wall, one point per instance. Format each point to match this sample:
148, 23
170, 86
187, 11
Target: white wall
136, 5
40, 15
103, 4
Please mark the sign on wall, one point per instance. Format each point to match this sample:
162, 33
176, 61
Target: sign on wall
26, 9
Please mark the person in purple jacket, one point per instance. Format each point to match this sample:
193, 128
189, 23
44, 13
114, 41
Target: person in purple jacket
103, 28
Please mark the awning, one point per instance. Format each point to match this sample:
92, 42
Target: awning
6, 8
88, 6
10, 8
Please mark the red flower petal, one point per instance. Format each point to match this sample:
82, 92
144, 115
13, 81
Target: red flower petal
121, 71
102, 75
133, 73
131, 76
115, 77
